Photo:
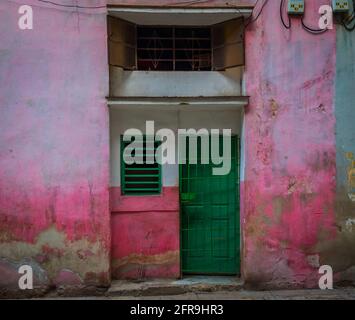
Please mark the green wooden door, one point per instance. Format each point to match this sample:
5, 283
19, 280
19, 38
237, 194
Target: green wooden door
210, 236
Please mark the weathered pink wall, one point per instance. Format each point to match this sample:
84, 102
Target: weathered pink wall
289, 188
54, 163
145, 235
54, 139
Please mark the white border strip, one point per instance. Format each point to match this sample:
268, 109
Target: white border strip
242, 12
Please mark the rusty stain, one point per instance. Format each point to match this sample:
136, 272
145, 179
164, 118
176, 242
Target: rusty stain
281, 205
264, 153
291, 188
349, 155
142, 265
169, 257
351, 177
320, 108
278, 207
274, 108
256, 228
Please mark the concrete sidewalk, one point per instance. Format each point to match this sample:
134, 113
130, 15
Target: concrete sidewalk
203, 288
213, 288
338, 294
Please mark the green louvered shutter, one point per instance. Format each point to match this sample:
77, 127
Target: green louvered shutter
140, 179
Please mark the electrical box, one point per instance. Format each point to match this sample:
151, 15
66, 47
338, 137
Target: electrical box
295, 7
340, 6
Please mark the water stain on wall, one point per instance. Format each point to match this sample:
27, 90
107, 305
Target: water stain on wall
56, 260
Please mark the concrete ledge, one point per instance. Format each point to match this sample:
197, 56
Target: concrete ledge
176, 83
166, 287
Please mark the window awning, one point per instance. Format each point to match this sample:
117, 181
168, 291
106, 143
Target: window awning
178, 16
179, 103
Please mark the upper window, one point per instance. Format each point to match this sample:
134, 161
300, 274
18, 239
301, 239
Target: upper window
176, 48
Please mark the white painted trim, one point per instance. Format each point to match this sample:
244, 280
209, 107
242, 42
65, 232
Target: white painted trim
241, 12
178, 16
180, 104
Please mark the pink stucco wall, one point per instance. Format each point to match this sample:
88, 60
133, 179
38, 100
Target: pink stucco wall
145, 235
54, 163
289, 188
54, 140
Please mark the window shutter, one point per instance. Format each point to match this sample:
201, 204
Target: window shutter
228, 44
141, 179
122, 43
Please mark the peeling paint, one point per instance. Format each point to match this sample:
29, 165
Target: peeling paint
152, 225
349, 223
54, 156
54, 168
54, 253
313, 260
351, 181
339, 253
138, 266
289, 188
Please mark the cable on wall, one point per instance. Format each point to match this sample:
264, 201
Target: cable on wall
287, 26
251, 20
70, 5
347, 27
349, 22
311, 29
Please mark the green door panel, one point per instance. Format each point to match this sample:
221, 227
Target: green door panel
210, 236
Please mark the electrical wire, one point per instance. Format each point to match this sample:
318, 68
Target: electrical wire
346, 26
191, 2
350, 18
282, 2
346, 22
188, 3
70, 5
258, 15
311, 29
